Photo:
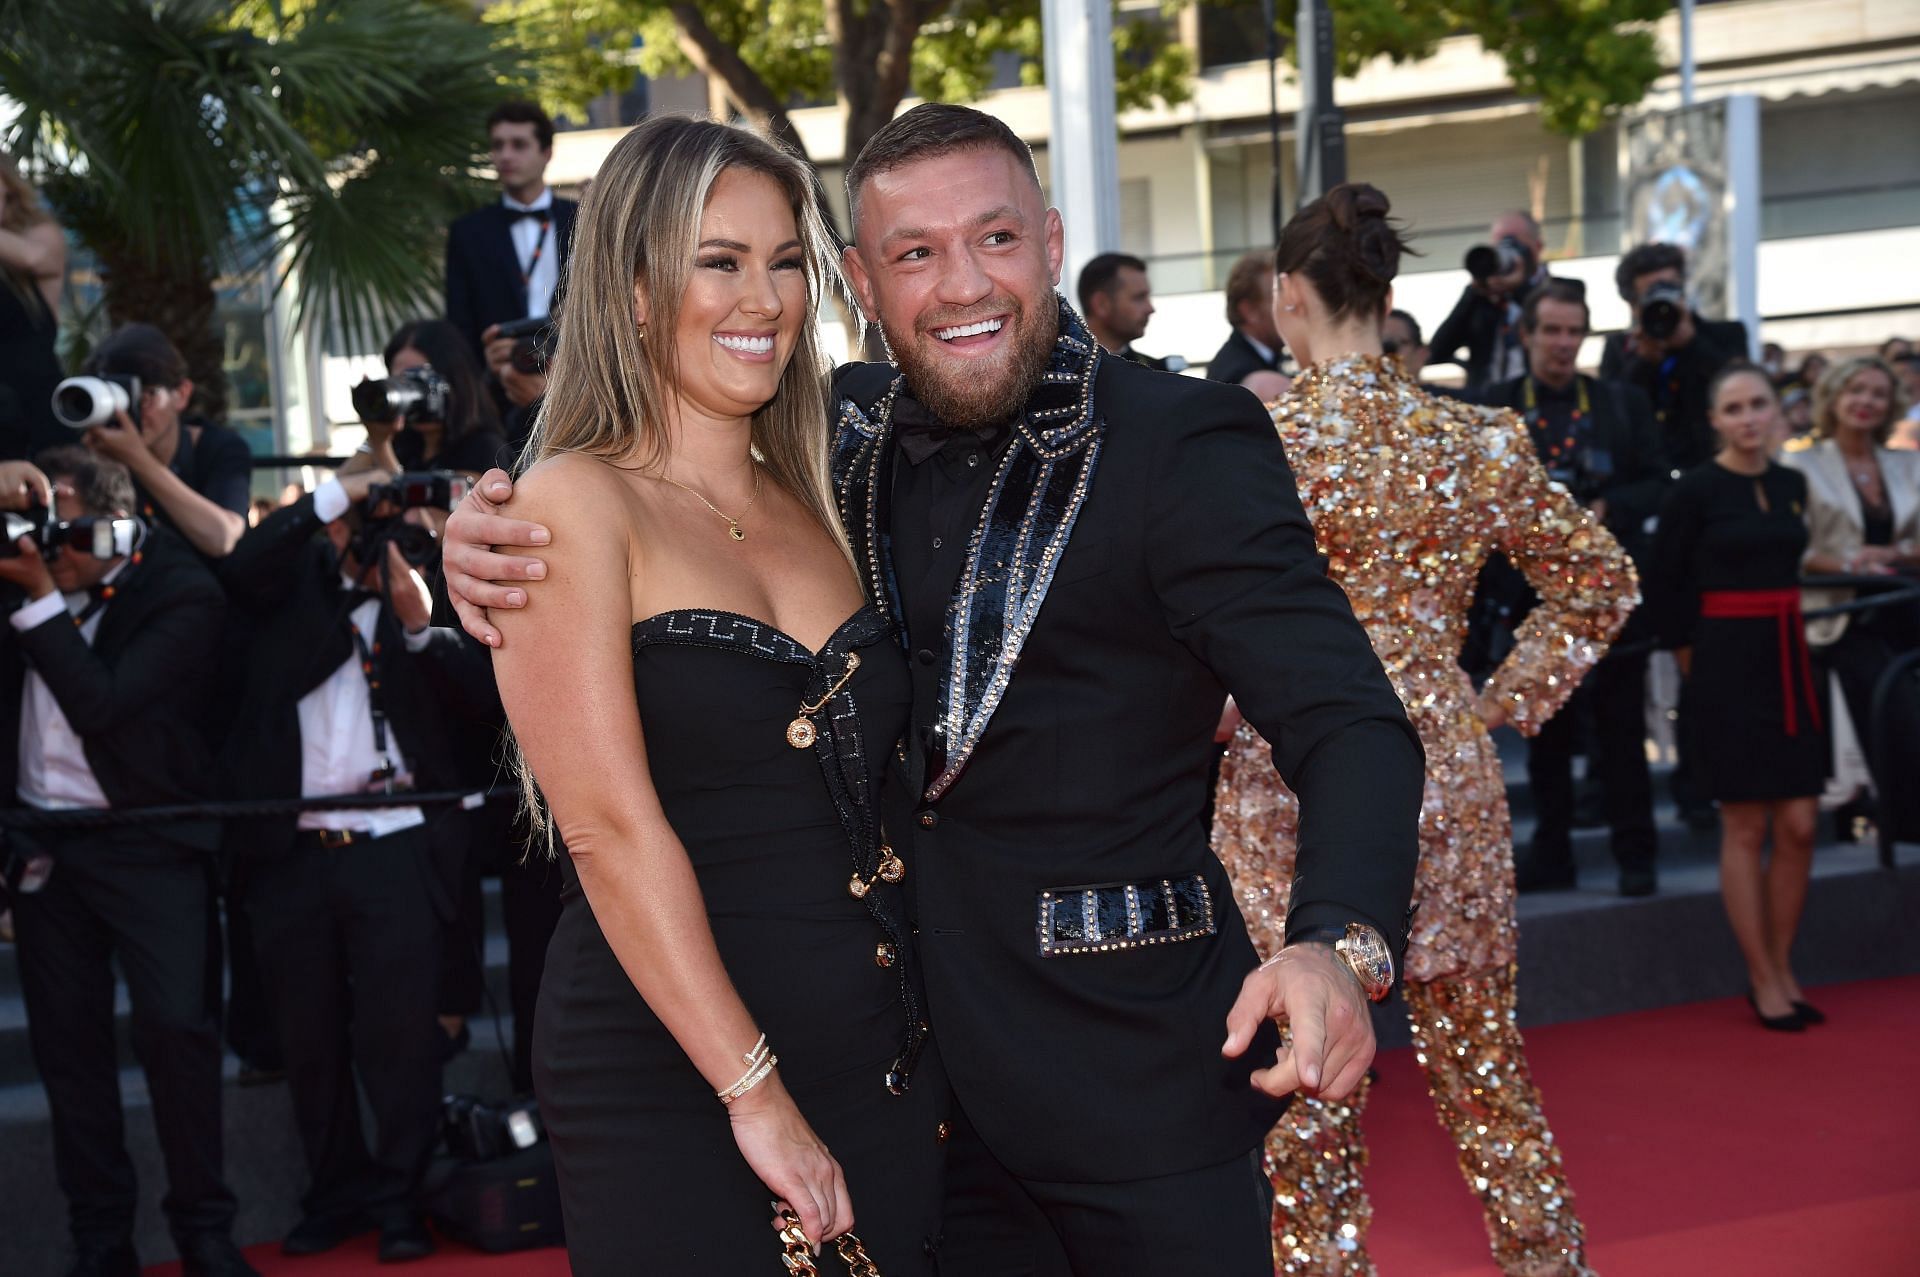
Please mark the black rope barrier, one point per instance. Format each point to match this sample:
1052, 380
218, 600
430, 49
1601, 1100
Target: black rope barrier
237, 809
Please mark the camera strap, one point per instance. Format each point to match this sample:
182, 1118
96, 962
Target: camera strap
370, 668
100, 595
1576, 423
533, 262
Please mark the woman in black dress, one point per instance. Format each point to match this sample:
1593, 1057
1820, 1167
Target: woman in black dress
1727, 565
729, 1013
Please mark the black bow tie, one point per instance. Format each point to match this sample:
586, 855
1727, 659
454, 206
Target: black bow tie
923, 435
515, 215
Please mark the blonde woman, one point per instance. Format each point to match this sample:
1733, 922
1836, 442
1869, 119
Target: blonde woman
1863, 511
33, 262
706, 704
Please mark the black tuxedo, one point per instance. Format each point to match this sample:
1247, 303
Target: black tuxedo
1236, 358
135, 696
138, 893
1159, 560
483, 270
349, 937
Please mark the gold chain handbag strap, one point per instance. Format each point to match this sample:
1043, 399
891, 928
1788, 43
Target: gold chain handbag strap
797, 1252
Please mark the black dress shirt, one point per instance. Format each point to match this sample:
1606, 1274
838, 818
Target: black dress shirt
937, 500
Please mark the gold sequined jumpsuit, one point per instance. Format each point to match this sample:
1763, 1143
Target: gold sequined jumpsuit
1409, 494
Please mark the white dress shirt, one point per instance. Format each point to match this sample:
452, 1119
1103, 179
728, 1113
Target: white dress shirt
337, 753
54, 772
526, 237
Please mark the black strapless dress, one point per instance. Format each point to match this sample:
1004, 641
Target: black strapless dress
650, 1177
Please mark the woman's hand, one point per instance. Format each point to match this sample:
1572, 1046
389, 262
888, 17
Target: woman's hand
791, 1161
1230, 721
1492, 713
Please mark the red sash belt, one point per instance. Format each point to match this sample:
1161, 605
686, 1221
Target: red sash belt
1782, 606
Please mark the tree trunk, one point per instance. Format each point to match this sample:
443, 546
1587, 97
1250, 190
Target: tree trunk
180, 302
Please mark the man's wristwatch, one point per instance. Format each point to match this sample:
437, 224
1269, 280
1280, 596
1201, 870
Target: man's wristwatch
1363, 950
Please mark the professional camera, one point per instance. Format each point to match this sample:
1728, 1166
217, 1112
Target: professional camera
1662, 307
418, 394
1497, 261
97, 535
84, 402
532, 344
425, 489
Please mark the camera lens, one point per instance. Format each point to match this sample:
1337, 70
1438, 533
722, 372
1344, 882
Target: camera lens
84, 402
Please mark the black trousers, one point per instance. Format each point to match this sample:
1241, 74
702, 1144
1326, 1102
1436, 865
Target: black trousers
1215, 1220
1615, 693
150, 905
350, 944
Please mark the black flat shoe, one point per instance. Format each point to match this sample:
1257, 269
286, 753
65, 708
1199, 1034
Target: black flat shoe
406, 1241
317, 1234
1778, 1023
1809, 1014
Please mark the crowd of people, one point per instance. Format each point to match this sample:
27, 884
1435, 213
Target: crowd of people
176, 642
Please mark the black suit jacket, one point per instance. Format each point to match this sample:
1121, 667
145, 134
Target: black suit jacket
1685, 433
483, 271
1191, 571
289, 572
133, 697
1236, 358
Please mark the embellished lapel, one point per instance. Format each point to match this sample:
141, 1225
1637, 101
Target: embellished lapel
862, 449
1028, 516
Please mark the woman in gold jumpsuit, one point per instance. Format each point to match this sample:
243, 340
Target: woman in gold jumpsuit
1409, 494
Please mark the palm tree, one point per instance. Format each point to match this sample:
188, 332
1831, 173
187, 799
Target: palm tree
329, 141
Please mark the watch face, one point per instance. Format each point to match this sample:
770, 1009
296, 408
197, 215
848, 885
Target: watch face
1373, 961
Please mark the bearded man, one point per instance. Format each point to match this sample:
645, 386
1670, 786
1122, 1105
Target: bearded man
1084, 558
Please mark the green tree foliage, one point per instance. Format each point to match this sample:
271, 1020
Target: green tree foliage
331, 140
1584, 59
774, 55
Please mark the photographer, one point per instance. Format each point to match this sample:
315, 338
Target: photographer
1598, 439
348, 691
192, 476
1670, 352
448, 421
517, 355
109, 654
506, 261
1486, 319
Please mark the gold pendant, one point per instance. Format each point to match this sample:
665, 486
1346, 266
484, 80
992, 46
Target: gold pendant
801, 733
733, 530
892, 868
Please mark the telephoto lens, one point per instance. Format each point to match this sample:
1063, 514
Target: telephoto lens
82, 403
1661, 308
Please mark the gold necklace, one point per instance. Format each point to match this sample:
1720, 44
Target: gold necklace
733, 524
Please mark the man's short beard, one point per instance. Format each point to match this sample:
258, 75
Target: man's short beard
978, 404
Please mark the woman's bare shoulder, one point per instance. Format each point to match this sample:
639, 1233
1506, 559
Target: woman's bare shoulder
571, 488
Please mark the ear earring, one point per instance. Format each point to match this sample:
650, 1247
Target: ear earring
643, 332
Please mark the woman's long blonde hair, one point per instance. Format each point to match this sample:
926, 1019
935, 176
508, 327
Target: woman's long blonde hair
608, 387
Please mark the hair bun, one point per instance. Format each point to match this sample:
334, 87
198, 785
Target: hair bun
1348, 246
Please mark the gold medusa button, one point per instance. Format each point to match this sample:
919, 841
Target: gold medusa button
884, 954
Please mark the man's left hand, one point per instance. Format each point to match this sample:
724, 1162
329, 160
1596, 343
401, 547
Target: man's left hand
27, 570
1306, 986
407, 592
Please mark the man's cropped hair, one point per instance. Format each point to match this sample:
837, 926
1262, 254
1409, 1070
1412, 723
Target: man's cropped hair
139, 350
521, 111
928, 131
1644, 259
1102, 273
103, 485
1250, 280
1571, 292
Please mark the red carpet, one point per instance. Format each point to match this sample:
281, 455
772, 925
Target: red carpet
1697, 1144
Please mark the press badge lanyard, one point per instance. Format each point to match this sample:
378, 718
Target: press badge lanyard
370, 667
533, 263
